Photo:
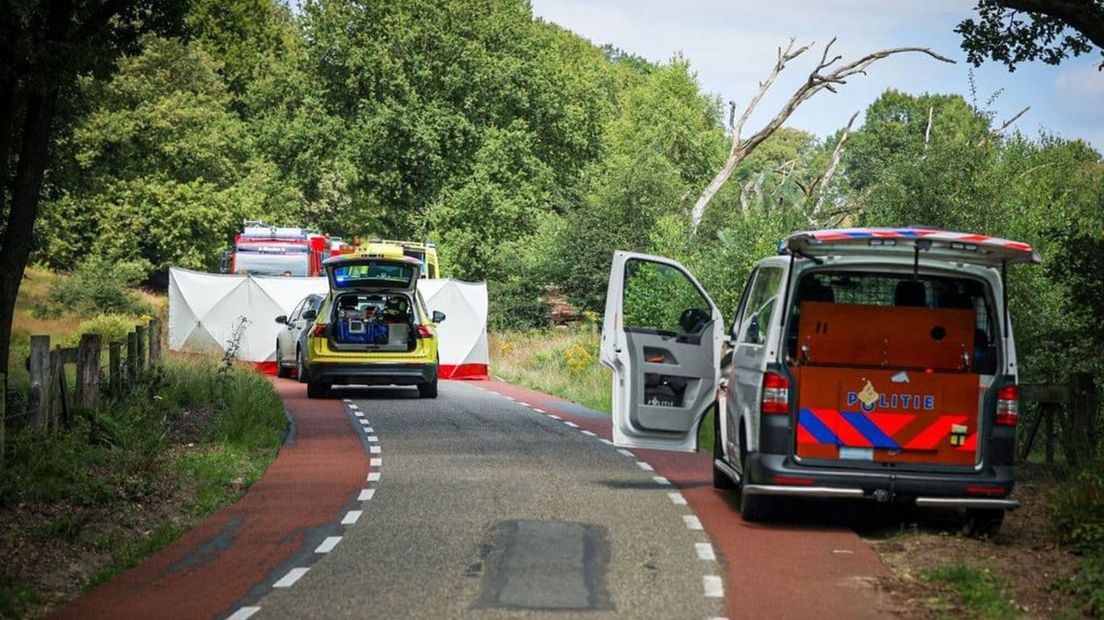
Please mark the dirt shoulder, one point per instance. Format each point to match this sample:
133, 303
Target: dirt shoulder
931, 560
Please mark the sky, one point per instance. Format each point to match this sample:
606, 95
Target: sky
732, 45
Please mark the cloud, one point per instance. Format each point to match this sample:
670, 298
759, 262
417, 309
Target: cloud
1079, 90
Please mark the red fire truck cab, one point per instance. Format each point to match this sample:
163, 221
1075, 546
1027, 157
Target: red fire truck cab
263, 250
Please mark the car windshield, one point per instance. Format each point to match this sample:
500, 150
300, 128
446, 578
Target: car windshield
264, 264
373, 273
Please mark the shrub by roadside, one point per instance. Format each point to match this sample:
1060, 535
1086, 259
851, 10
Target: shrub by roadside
97, 286
81, 505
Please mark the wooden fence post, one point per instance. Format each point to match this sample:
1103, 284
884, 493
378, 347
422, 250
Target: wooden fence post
115, 368
154, 342
1082, 418
88, 371
3, 420
140, 337
132, 356
40, 380
59, 414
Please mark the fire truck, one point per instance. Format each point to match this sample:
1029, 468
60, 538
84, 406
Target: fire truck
263, 250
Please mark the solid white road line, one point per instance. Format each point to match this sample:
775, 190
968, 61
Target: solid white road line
374, 476
692, 522
374, 449
705, 551
290, 578
365, 495
644, 466
242, 613
328, 544
714, 587
625, 452
571, 424
376, 462
677, 498
351, 517
660, 480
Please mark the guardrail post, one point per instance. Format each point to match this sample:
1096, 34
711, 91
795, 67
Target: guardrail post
132, 357
88, 371
154, 341
39, 366
140, 337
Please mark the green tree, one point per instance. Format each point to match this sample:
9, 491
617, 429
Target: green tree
1017, 31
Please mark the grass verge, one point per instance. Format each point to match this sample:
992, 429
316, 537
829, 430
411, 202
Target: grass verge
563, 362
980, 592
84, 504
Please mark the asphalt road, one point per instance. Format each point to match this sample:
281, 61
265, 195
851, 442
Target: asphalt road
485, 508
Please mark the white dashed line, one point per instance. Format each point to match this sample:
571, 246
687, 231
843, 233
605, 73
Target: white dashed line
510, 398
372, 439
358, 413
692, 522
705, 551
554, 416
677, 498
624, 452
369, 429
242, 613
539, 410
374, 449
328, 544
660, 480
571, 424
714, 587
589, 434
290, 578
605, 441
346, 400
354, 406
376, 462
644, 466
374, 476
365, 495
351, 517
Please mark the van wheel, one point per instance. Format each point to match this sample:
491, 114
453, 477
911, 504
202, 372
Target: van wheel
427, 390
317, 390
983, 522
281, 372
752, 507
721, 480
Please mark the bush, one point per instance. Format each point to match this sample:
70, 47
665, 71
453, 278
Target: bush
98, 286
113, 328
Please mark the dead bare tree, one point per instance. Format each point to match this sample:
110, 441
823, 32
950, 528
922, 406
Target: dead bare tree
818, 189
816, 82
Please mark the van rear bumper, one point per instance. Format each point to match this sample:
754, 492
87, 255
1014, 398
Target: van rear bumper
777, 474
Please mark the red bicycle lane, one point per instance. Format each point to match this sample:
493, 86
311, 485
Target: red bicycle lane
781, 570
234, 555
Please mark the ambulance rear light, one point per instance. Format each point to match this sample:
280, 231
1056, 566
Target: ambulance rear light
1008, 405
424, 332
776, 395
320, 330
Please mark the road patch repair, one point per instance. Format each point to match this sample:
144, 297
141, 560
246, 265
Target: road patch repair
783, 570
267, 539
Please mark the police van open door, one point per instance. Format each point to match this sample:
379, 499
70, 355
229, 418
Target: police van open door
662, 337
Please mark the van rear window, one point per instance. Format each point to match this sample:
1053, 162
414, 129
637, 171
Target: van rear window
903, 297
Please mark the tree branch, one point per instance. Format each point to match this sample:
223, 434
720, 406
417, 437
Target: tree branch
816, 82
820, 185
999, 130
1084, 17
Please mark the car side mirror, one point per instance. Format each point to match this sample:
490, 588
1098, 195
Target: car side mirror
438, 316
282, 319
310, 315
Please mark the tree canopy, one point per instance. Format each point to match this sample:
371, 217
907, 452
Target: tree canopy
1018, 31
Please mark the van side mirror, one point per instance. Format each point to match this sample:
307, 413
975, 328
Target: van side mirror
753, 330
438, 316
282, 319
309, 315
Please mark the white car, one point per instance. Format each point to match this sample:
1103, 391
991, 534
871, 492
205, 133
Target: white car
873, 363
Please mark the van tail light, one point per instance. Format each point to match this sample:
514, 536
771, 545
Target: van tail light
320, 329
423, 332
776, 395
1008, 405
